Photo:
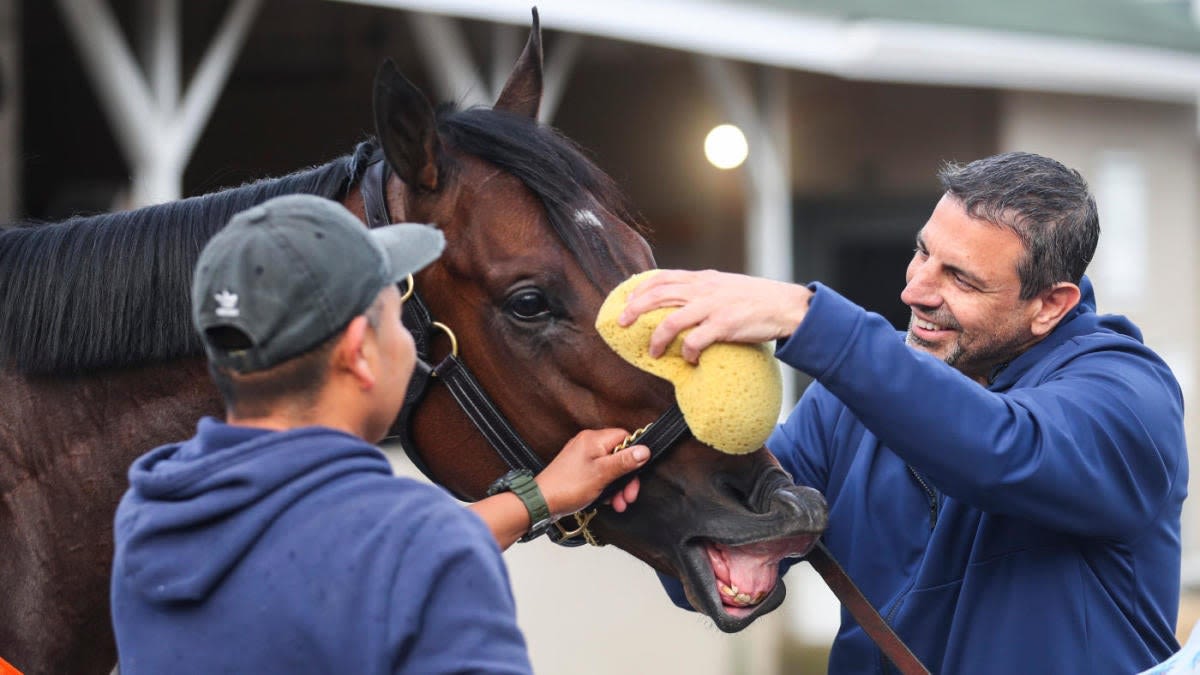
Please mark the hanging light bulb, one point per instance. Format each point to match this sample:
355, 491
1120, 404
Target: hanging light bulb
725, 146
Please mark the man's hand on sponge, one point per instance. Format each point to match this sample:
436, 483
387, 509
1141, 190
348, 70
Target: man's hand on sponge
730, 397
718, 307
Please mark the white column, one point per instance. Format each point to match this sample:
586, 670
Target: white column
768, 174
559, 64
444, 49
506, 49
160, 50
156, 129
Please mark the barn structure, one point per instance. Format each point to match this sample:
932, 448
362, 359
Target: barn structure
849, 107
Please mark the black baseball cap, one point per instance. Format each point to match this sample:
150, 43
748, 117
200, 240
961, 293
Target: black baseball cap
286, 275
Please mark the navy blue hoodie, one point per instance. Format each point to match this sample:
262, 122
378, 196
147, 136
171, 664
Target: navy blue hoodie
252, 551
1031, 526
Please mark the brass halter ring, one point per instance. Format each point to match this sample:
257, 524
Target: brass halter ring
408, 292
582, 518
449, 333
412, 287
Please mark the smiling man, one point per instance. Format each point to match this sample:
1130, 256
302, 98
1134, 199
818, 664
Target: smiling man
1005, 483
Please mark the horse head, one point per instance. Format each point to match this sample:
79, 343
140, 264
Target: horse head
537, 236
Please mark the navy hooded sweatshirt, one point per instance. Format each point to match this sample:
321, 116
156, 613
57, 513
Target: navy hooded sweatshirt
251, 551
1031, 526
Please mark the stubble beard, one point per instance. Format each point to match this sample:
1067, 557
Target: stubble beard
951, 358
978, 363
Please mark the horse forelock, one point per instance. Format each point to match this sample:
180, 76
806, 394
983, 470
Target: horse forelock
114, 290
579, 198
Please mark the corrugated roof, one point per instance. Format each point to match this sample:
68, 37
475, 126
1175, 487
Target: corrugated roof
1166, 25
1121, 48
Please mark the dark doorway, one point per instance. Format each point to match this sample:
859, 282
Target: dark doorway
860, 245
871, 273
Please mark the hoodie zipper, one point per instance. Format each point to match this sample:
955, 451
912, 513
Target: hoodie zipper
886, 666
931, 493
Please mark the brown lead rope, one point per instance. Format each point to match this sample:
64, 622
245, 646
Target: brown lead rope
862, 611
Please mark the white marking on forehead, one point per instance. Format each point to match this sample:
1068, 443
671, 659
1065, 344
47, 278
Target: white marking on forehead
586, 217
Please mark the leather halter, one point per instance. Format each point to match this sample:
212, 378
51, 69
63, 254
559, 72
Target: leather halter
659, 436
471, 397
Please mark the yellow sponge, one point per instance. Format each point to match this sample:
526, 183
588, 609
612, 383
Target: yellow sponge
730, 399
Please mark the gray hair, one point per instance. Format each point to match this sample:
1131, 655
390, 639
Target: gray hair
1043, 202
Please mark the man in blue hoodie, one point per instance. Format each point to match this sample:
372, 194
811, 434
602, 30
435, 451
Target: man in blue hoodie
279, 541
1005, 482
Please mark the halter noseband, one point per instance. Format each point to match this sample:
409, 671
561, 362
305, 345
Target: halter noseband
659, 435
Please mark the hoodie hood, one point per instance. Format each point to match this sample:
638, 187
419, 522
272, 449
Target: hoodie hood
1080, 321
1112, 322
215, 494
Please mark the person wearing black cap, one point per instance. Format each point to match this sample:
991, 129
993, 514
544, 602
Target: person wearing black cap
279, 540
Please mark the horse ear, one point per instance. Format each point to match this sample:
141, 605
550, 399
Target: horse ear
522, 92
407, 128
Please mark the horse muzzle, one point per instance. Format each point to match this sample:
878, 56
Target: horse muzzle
730, 569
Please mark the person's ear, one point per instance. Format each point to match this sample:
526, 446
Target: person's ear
1054, 303
354, 353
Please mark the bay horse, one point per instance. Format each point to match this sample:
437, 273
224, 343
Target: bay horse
100, 362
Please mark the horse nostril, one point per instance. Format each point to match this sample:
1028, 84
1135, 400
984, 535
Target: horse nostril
772, 492
753, 491
805, 505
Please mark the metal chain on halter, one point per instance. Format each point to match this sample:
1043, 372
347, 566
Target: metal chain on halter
584, 518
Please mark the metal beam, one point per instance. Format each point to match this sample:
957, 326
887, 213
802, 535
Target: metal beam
448, 59
506, 49
119, 84
156, 130
212, 74
444, 50
160, 50
557, 72
768, 171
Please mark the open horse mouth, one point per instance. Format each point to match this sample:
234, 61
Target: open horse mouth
735, 580
734, 584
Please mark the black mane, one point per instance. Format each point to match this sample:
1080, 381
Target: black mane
552, 166
112, 290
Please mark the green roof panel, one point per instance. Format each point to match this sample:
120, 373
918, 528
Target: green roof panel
1166, 24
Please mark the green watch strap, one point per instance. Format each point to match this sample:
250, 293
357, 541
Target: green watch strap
521, 483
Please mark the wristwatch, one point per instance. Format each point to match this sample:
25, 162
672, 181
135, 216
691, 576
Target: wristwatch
520, 482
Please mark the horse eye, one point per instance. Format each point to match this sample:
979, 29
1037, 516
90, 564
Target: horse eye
528, 304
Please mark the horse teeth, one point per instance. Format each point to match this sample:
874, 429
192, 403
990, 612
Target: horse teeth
736, 597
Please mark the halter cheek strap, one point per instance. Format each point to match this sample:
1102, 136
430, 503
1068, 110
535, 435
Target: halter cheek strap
373, 188
471, 397
659, 436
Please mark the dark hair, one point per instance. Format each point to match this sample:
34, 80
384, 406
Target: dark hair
296, 381
1045, 203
